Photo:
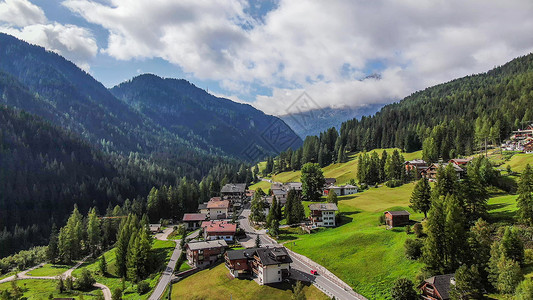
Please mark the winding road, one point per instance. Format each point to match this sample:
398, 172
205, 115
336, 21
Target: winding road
301, 267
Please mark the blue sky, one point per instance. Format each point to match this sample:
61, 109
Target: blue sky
267, 53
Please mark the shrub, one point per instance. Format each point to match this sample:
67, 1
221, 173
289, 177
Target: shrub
419, 230
117, 294
393, 183
413, 248
381, 220
403, 289
85, 281
528, 256
143, 287
408, 229
524, 291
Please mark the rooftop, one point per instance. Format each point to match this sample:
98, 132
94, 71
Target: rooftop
441, 284
323, 206
219, 226
218, 204
273, 256
233, 188
399, 213
207, 244
194, 217
241, 254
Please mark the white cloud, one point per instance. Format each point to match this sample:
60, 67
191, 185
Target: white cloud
322, 47
21, 13
28, 22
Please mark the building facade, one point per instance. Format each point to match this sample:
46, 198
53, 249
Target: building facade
323, 214
201, 254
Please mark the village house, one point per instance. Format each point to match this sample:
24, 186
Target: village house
193, 221
155, 228
201, 254
397, 218
342, 190
460, 161
202, 208
431, 171
323, 214
236, 191
265, 265
216, 230
218, 208
437, 287
281, 190
415, 164
330, 181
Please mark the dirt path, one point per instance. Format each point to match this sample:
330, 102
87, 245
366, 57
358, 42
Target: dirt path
22, 276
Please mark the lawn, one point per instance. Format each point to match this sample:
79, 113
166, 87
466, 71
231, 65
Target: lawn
162, 251
216, 283
354, 248
41, 289
49, 270
519, 161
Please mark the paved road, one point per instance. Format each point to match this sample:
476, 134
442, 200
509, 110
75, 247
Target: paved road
300, 268
167, 274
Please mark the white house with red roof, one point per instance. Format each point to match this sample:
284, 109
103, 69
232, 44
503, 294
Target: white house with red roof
218, 229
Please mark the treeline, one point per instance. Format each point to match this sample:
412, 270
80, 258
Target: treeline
373, 169
446, 121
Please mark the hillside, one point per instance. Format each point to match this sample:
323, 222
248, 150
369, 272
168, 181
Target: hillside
185, 110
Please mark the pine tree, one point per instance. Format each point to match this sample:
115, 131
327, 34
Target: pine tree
512, 246
298, 292
52, 252
94, 233
291, 197
525, 196
468, 284
257, 213
403, 289
298, 210
455, 234
257, 241
421, 197
446, 180
274, 229
132, 259
272, 213
434, 250
102, 265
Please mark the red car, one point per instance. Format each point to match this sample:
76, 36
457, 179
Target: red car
314, 272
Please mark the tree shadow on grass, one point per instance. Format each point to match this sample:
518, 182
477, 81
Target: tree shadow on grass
503, 216
346, 217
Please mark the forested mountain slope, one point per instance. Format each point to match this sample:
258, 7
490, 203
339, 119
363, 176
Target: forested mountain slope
184, 109
448, 120
456, 115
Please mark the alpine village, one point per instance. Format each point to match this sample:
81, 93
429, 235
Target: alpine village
155, 188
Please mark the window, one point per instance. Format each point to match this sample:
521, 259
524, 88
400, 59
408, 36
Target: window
279, 272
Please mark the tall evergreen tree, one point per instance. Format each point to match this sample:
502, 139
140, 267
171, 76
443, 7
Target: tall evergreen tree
421, 197
94, 233
525, 196
312, 181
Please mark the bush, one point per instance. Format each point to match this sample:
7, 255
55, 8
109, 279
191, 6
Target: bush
393, 183
419, 230
413, 248
143, 287
408, 229
381, 220
528, 256
85, 281
363, 186
524, 291
117, 294
403, 289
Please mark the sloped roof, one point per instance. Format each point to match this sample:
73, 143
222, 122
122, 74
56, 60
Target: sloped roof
273, 256
218, 204
241, 254
207, 244
399, 213
219, 226
441, 284
323, 206
233, 188
194, 217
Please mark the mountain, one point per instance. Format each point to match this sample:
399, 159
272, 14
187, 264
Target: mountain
155, 116
315, 121
184, 109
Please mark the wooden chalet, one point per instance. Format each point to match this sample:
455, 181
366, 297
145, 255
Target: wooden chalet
437, 287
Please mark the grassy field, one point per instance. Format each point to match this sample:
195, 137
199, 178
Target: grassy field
216, 283
49, 270
41, 289
519, 161
162, 250
354, 247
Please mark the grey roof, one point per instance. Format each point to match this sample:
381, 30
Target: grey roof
415, 161
330, 180
241, 254
234, 188
207, 244
323, 206
279, 192
273, 256
441, 284
202, 206
399, 213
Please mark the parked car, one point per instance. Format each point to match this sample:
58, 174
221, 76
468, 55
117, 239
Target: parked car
314, 272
